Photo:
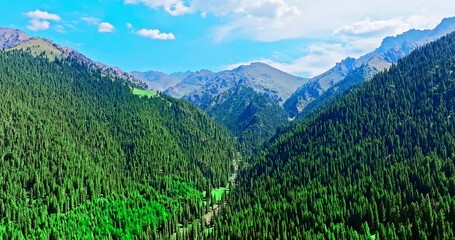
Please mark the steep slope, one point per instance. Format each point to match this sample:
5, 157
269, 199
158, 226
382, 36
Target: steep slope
379, 164
39, 46
193, 82
250, 116
391, 49
82, 157
16, 39
337, 91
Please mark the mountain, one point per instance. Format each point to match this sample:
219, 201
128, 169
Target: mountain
344, 73
13, 39
160, 81
246, 100
378, 164
200, 88
250, 116
82, 157
338, 90
191, 83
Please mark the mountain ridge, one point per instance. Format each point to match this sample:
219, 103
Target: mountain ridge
390, 51
260, 76
13, 38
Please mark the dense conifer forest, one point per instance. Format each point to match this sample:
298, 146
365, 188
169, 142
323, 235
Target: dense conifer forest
378, 164
250, 116
82, 157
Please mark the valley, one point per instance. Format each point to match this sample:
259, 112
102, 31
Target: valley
275, 146
252, 101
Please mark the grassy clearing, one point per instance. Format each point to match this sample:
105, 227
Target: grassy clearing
39, 46
218, 193
209, 230
144, 93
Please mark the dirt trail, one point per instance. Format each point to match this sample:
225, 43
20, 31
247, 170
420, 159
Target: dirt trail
207, 218
215, 208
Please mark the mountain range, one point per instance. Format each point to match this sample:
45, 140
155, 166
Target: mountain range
160, 81
282, 94
200, 87
298, 96
247, 100
276, 93
350, 71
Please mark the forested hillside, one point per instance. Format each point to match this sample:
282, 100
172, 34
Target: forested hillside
379, 164
337, 91
249, 115
82, 157
246, 100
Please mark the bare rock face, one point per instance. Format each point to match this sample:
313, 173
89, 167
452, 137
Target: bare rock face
203, 86
11, 37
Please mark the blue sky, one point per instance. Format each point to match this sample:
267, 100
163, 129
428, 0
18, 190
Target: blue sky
299, 36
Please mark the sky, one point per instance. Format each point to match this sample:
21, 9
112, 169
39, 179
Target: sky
301, 37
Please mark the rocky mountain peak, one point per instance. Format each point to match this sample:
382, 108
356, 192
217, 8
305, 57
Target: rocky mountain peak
256, 67
446, 26
446, 23
10, 37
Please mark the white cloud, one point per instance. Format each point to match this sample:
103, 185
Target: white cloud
91, 20
155, 34
381, 27
274, 20
37, 14
105, 27
317, 59
38, 25
353, 40
60, 29
40, 20
129, 25
173, 7
246, 8
369, 27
